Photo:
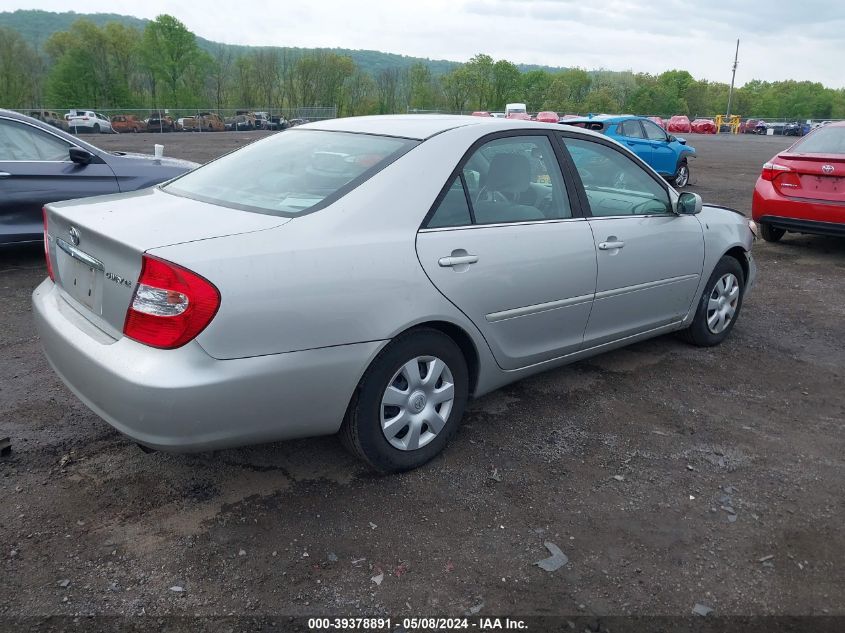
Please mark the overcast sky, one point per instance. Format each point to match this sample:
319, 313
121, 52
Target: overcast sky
781, 39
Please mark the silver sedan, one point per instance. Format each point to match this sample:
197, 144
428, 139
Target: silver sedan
368, 275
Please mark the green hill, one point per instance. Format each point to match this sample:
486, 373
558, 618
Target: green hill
37, 26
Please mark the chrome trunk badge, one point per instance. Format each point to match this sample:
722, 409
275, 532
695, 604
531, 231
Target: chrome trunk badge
74, 235
828, 169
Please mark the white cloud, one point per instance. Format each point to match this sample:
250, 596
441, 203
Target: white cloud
780, 40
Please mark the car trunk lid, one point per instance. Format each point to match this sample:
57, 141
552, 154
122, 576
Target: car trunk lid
96, 245
813, 176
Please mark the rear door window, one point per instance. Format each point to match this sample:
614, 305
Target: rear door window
510, 179
453, 210
22, 142
631, 129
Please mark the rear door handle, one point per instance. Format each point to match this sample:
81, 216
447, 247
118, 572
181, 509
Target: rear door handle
448, 262
609, 246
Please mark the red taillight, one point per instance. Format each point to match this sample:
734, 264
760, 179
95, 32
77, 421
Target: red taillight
773, 170
171, 305
47, 246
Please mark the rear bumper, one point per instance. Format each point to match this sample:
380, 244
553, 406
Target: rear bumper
792, 214
184, 400
804, 226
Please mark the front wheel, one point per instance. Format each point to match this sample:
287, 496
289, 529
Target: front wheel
681, 177
719, 306
771, 233
409, 402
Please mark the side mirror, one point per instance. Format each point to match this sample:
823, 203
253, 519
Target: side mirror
80, 156
689, 204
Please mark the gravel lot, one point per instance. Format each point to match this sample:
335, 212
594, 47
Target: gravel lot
669, 475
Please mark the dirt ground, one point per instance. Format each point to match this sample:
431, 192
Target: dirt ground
669, 475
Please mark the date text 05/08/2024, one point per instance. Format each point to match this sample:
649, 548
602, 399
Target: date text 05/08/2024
417, 624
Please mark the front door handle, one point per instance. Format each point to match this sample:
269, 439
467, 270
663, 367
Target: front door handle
613, 245
4, 174
460, 260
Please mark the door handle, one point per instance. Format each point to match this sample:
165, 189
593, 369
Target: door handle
4, 174
609, 246
448, 262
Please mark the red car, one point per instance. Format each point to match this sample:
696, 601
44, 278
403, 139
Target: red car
703, 126
679, 123
802, 189
547, 116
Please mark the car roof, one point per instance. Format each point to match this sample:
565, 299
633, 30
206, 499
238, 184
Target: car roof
604, 118
417, 126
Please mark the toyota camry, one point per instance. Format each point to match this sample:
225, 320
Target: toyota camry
366, 276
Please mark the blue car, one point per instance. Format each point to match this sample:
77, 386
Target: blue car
668, 155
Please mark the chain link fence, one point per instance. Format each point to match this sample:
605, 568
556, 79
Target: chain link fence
295, 115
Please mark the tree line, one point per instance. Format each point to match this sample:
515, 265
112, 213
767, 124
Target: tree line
161, 66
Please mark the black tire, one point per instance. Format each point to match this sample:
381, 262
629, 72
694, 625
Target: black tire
698, 333
682, 174
96, 128
361, 431
771, 233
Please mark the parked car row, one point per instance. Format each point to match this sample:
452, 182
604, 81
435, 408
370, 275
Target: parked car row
93, 122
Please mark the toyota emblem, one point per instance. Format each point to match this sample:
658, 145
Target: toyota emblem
828, 169
74, 235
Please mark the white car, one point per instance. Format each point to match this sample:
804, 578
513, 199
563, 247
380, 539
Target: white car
88, 121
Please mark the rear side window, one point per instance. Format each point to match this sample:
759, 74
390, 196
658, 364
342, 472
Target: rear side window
24, 142
825, 140
511, 179
631, 129
453, 210
291, 174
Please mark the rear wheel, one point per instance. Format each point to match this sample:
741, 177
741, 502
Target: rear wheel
681, 177
719, 306
96, 128
409, 402
771, 233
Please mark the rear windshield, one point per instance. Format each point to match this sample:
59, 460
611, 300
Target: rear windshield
292, 173
825, 140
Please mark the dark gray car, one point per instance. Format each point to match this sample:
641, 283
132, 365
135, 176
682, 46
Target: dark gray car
41, 164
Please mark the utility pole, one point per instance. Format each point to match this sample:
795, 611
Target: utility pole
733, 78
